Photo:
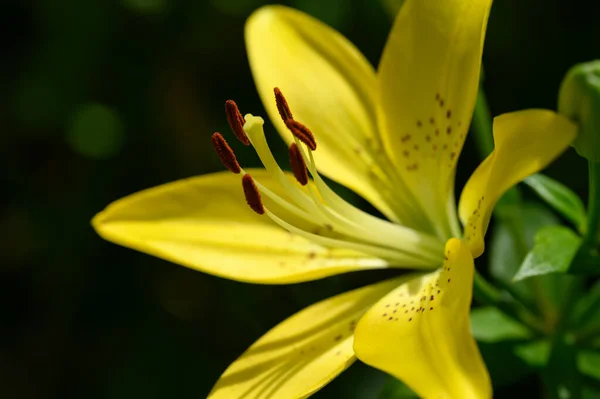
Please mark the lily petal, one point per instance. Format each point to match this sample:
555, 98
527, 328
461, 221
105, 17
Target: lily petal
420, 332
330, 87
525, 143
303, 353
204, 223
428, 79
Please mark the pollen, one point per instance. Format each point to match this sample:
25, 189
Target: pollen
225, 153
252, 195
302, 133
236, 121
282, 105
298, 165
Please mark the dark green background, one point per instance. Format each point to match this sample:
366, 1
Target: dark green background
101, 98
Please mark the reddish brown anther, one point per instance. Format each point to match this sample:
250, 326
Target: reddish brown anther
236, 121
252, 194
302, 133
225, 153
298, 165
282, 105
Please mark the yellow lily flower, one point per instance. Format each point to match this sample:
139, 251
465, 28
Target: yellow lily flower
393, 136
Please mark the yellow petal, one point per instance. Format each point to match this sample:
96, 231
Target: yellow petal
204, 223
303, 353
329, 86
525, 142
420, 332
428, 79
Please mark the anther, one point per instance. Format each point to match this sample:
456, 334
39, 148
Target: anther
252, 195
225, 153
298, 165
282, 105
302, 133
236, 121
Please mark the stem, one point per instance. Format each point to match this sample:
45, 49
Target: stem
482, 124
486, 293
586, 315
593, 230
484, 135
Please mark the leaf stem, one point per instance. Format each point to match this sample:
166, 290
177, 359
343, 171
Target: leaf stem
482, 124
488, 294
593, 230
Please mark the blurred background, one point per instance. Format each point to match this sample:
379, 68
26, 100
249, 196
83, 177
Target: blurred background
102, 98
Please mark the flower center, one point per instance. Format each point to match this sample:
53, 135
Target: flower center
339, 224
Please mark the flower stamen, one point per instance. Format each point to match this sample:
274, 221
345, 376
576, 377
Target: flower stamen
225, 153
302, 133
335, 222
298, 165
236, 121
282, 105
252, 195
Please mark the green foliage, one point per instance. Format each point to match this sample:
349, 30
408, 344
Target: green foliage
513, 236
534, 353
588, 363
585, 316
560, 197
579, 99
488, 324
561, 376
554, 249
395, 389
392, 6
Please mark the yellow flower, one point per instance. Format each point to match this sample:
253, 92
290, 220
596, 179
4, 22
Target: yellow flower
393, 136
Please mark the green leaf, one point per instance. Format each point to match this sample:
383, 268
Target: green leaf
507, 251
592, 392
504, 366
512, 237
488, 324
586, 313
561, 198
579, 100
535, 353
554, 249
588, 363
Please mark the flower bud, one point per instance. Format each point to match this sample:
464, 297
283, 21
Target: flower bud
579, 100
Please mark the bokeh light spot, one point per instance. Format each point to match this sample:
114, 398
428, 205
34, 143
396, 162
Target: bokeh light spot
95, 131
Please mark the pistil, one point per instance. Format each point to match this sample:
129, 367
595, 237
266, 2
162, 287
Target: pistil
344, 226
